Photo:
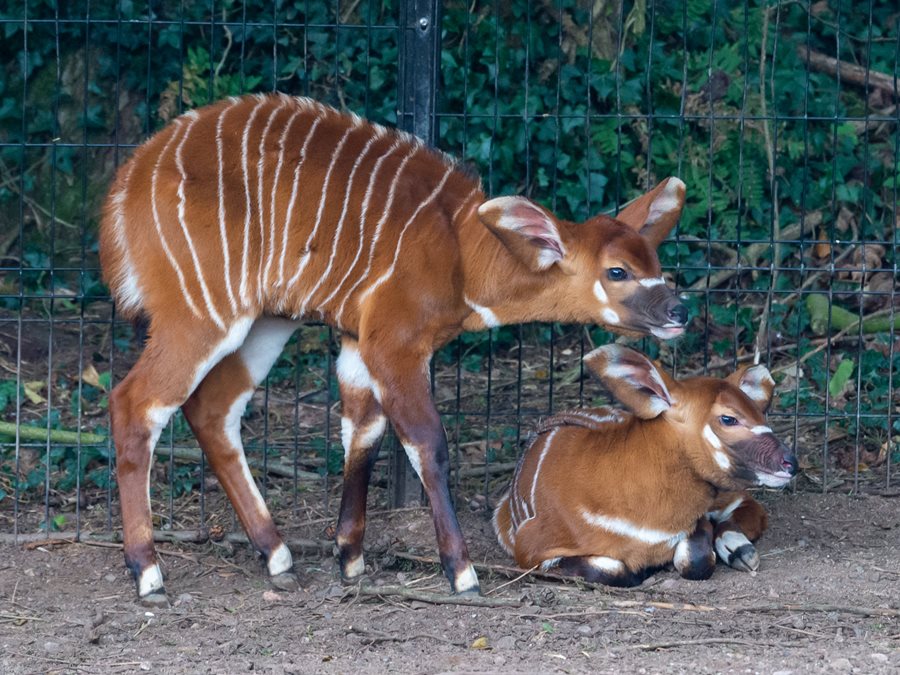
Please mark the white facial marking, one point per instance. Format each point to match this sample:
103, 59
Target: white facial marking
600, 293
610, 316
352, 372
711, 437
280, 561
778, 480
725, 514
650, 283
151, 581
489, 319
760, 429
605, 564
354, 567
466, 580
722, 460
626, 528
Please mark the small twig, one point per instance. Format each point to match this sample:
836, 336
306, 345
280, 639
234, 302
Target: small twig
848, 72
434, 598
652, 646
841, 609
512, 581
375, 637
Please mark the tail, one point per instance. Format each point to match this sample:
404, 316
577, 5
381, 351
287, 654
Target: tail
119, 272
503, 525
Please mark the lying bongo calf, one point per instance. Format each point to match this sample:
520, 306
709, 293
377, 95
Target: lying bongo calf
612, 496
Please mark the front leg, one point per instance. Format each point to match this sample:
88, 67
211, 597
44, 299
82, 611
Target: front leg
401, 379
739, 521
694, 556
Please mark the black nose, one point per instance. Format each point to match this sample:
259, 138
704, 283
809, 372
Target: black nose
789, 463
678, 314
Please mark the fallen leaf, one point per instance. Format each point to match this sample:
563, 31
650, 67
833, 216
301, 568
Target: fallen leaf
92, 377
32, 390
480, 643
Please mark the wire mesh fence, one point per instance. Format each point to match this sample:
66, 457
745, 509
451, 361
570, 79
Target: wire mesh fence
782, 119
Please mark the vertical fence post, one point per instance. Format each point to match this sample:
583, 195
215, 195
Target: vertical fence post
420, 39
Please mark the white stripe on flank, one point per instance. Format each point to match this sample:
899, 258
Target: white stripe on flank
628, 529
537, 471
340, 225
278, 165
223, 232
182, 220
260, 181
293, 199
245, 139
304, 261
462, 205
384, 216
362, 228
428, 200
162, 239
128, 291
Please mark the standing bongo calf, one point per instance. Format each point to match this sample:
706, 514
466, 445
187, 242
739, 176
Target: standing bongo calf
612, 496
242, 219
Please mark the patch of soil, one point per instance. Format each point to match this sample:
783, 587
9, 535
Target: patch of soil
827, 561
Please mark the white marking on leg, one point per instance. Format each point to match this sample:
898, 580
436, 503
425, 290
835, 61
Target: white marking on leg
272, 211
263, 345
354, 567
293, 198
362, 228
340, 225
232, 341
150, 581
600, 293
248, 205
260, 180
156, 221
507, 542
722, 460
761, 429
182, 220
414, 454
729, 542
489, 319
725, 514
384, 216
128, 292
605, 564
550, 563
711, 437
372, 433
650, 283
280, 560
352, 371
626, 528
223, 230
307, 255
428, 200
466, 580
346, 437
682, 559
232, 430
157, 419
610, 316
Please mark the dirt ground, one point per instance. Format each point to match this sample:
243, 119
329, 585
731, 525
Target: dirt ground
826, 598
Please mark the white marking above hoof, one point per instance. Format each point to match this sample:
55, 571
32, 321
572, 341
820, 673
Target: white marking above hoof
606, 564
466, 580
150, 581
354, 568
727, 547
280, 561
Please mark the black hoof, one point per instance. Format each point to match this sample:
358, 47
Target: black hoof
157, 600
286, 581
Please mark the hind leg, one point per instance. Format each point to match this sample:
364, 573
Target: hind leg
362, 427
600, 570
739, 521
214, 412
168, 370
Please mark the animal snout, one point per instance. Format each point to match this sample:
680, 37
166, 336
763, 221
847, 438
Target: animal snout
789, 463
678, 313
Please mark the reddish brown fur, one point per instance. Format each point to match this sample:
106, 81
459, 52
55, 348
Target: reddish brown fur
590, 471
443, 260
